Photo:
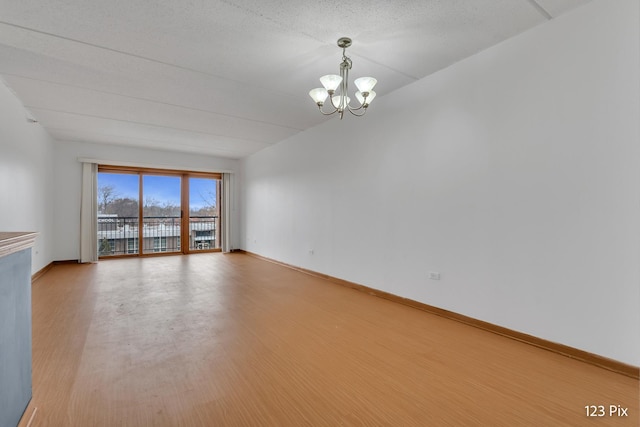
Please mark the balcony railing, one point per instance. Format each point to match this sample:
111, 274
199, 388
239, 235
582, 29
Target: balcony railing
121, 235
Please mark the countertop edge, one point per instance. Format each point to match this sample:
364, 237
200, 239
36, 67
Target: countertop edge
11, 242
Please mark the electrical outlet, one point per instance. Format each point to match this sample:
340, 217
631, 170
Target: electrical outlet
434, 275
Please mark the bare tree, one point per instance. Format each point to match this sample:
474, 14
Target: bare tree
124, 207
170, 209
153, 208
209, 199
106, 195
150, 202
209, 207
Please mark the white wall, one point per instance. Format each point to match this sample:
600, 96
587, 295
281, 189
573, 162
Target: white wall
26, 188
68, 176
514, 173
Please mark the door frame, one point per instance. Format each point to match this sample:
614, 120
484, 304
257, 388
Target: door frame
184, 207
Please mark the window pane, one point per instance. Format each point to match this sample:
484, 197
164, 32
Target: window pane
204, 213
161, 213
117, 213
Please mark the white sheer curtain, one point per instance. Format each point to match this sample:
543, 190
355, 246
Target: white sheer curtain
89, 213
227, 191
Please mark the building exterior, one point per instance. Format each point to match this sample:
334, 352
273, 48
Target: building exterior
121, 235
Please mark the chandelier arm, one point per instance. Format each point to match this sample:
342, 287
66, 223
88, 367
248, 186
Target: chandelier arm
344, 89
352, 111
335, 110
332, 104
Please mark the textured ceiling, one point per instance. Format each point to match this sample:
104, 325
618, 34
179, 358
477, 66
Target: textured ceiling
228, 77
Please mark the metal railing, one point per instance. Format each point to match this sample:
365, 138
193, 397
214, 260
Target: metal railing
121, 235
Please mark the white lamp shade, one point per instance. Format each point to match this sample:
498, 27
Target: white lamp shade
365, 84
370, 97
336, 101
331, 81
318, 95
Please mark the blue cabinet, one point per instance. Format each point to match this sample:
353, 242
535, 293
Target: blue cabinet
15, 330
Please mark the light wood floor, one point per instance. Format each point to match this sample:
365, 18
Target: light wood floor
231, 340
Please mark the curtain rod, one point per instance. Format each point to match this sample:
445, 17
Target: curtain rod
151, 166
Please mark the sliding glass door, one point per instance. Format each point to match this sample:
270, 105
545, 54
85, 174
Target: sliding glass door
147, 212
118, 213
161, 213
204, 213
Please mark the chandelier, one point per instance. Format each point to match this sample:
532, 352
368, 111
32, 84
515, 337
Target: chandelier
335, 87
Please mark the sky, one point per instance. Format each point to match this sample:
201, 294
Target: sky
164, 189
